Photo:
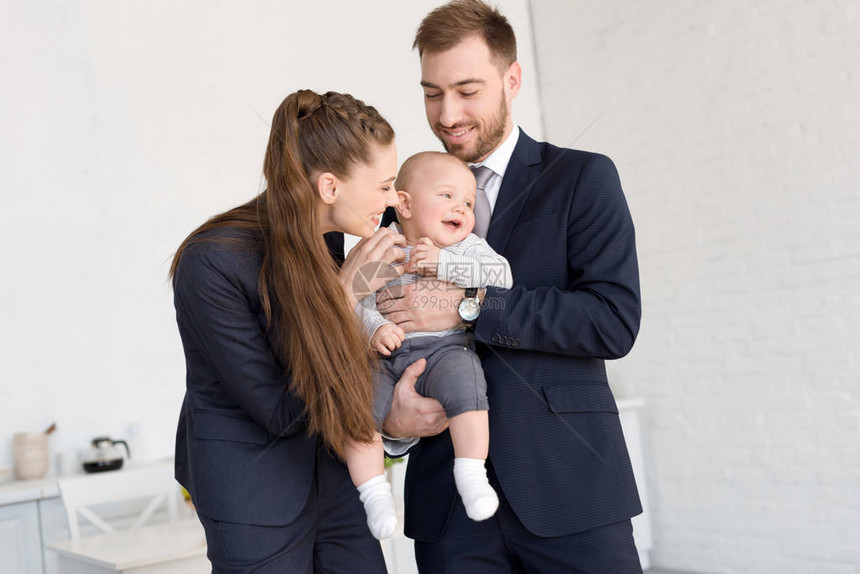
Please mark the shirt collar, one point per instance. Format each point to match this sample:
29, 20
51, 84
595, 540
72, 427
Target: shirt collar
499, 159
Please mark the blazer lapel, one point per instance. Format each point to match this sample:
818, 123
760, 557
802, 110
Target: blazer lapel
520, 176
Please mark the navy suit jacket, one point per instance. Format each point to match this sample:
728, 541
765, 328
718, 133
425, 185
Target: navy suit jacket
242, 449
556, 444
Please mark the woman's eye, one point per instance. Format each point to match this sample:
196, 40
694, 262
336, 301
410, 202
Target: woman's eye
386, 188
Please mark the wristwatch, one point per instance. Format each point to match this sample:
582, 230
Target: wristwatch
469, 307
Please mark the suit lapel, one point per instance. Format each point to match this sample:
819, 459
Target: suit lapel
522, 171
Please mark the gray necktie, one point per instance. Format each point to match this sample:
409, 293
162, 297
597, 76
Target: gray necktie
482, 204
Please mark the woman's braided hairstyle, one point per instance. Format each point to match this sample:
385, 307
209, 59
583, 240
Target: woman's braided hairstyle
312, 330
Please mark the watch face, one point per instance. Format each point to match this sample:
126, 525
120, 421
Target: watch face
469, 309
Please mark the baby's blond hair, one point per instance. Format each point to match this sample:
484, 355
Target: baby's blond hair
409, 166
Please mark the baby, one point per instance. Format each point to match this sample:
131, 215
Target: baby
437, 197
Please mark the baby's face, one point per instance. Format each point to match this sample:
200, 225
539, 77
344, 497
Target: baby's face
442, 203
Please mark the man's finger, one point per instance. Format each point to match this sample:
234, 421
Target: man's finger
399, 318
388, 293
392, 306
410, 373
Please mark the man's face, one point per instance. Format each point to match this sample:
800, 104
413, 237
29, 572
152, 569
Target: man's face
468, 99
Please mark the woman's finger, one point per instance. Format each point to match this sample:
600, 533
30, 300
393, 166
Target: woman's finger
373, 247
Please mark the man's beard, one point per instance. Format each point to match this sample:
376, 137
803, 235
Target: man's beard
488, 138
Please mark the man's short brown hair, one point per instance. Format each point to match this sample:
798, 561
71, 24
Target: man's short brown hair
448, 25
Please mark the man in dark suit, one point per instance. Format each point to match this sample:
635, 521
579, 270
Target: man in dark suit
557, 455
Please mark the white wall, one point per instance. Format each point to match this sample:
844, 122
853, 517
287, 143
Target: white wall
736, 129
125, 125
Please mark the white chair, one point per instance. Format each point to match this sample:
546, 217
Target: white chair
153, 481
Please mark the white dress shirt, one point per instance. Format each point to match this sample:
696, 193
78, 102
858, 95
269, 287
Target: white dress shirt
498, 162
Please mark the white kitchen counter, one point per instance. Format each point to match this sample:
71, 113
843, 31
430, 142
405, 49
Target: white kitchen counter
16, 491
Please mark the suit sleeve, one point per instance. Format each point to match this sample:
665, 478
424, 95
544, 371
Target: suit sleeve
597, 315
216, 312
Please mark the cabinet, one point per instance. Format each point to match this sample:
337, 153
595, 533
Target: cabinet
32, 515
20, 539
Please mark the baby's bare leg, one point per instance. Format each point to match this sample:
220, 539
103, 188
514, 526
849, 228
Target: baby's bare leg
470, 433
366, 465
365, 460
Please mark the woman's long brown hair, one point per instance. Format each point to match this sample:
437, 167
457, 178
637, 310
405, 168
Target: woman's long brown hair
311, 327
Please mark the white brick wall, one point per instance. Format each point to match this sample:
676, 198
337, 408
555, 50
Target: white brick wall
735, 126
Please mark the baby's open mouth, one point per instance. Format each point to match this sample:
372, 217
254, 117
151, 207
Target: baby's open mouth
453, 225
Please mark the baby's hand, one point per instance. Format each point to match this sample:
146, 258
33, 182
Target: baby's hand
424, 258
387, 338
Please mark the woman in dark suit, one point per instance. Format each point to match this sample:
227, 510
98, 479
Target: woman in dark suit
278, 373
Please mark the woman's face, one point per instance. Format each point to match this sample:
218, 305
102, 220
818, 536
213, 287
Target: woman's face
359, 201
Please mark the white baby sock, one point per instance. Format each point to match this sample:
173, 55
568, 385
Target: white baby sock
379, 506
478, 496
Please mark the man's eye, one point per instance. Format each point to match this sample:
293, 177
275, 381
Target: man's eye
386, 188
469, 94
431, 96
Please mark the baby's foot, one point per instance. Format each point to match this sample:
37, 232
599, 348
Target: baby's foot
479, 498
379, 506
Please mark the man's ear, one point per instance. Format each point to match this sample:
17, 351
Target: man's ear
404, 208
513, 79
327, 187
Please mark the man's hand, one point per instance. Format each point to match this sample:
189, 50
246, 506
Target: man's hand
424, 259
412, 415
387, 338
427, 305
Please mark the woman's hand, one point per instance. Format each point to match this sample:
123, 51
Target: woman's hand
372, 263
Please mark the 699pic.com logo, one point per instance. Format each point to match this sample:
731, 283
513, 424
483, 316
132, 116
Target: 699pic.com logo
370, 277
